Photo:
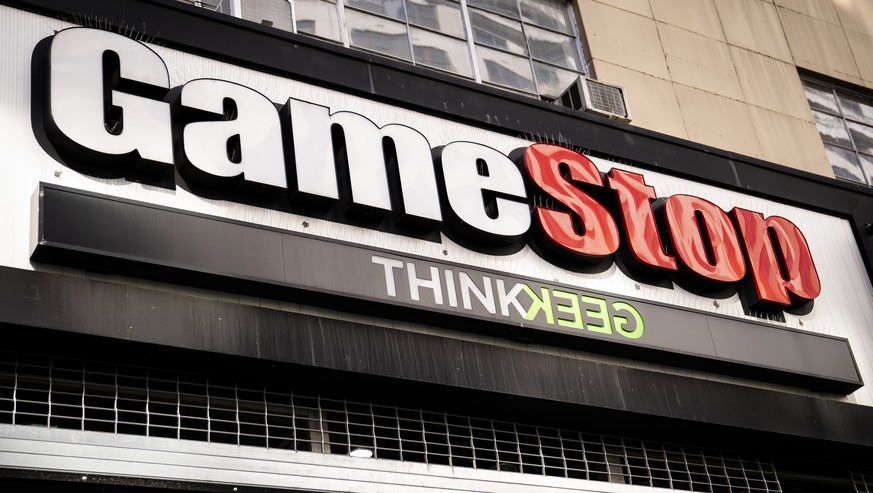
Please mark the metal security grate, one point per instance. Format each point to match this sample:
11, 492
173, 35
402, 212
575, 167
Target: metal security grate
862, 481
607, 98
58, 392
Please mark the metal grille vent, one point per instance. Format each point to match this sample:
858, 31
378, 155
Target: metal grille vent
214, 5
275, 13
596, 97
65, 393
606, 98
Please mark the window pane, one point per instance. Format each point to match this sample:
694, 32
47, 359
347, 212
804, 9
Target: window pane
505, 7
390, 8
867, 164
317, 18
820, 97
505, 69
863, 137
831, 129
378, 34
214, 5
552, 14
856, 107
440, 52
497, 32
440, 15
555, 48
551, 81
844, 163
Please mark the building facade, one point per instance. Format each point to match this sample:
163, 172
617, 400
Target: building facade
366, 246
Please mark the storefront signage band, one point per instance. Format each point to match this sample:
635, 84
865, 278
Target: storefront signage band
110, 110
181, 247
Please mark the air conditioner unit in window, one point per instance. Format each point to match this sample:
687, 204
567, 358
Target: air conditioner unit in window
595, 97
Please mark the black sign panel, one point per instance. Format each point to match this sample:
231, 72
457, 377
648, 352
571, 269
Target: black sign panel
135, 236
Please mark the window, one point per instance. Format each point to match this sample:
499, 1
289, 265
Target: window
845, 122
222, 6
529, 45
526, 46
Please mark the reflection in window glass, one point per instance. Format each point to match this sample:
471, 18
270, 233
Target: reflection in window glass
844, 163
378, 34
820, 97
832, 129
552, 54
317, 18
440, 52
551, 14
505, 7
275, 13
213, 5
845, 123
504, 69
862, 135
528, 46
554, 48
390, 8
866, 164
855, 107
551, 81
443, 16
497, 32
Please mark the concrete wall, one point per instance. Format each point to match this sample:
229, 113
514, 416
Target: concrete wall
724, 72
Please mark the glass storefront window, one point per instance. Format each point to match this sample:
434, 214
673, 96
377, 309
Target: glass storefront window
442, 52
378, 34
526, 46
505, 69
318, 18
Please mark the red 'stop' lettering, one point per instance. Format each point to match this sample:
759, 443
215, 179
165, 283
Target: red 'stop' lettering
635, 199
704, 238
598, 235
779, 259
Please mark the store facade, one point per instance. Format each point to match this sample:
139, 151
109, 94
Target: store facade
240, 259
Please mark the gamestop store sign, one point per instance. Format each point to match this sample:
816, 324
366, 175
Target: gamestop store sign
537, 240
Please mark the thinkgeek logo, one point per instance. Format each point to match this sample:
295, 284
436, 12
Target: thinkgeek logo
109, 110
510, 300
